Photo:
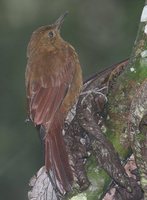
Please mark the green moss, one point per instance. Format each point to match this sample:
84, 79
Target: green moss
98, 178
99, 182
143, 181
140, 137
81, 196
115, 140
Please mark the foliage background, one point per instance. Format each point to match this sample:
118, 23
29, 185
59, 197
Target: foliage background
102, 31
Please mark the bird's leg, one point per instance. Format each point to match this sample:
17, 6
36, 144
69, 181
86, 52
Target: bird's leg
98, 91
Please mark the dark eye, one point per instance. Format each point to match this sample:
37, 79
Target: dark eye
51, 34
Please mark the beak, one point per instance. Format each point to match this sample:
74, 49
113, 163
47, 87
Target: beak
58, 23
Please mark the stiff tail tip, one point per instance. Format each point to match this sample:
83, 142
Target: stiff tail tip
57, 164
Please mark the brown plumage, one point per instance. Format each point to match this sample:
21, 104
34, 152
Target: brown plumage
53, 83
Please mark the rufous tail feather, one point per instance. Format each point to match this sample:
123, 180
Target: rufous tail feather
56, 158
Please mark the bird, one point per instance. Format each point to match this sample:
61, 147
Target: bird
53, 80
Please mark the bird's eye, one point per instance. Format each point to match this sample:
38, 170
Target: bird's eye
51, 34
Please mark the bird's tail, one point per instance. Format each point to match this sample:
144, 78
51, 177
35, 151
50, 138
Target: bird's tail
56, 158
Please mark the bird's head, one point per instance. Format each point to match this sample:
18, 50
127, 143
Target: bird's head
47, 37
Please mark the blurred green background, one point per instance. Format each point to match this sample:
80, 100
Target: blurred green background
102, 32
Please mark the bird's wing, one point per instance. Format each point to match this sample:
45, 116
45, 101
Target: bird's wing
48, 79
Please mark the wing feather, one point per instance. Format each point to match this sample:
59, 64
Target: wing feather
46, 89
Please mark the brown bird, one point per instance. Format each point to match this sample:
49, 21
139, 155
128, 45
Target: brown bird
53, 83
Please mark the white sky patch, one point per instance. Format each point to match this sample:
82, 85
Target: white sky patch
145, 29
144, 14
144, 54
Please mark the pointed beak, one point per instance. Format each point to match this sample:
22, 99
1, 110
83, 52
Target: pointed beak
58, 23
